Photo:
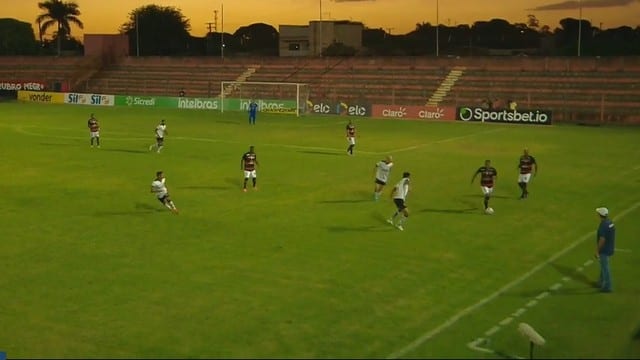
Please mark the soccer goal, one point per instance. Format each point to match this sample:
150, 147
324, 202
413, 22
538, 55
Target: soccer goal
273, 97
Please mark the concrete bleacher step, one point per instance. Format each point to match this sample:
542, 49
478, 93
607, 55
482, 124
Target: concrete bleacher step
445, 86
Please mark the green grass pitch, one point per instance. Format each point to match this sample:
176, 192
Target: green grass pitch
93, 265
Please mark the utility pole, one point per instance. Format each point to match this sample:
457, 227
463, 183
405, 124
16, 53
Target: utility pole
437, 28
209, 26
222, 31
320, 37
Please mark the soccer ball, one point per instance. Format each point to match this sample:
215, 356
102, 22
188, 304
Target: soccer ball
489, 211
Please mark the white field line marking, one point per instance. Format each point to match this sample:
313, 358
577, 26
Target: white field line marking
565, 279
492, 331
555, 286
580, 268
455, 318
623, 250
213, 140
542, 295
587, 263
504, 322
442, 141
475, 345
519, 312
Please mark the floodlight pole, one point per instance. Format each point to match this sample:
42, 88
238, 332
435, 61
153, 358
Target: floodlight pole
580, 28
137, 36
320, 32
437, 27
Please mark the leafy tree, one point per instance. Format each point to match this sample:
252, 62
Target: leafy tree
258, 39
161, 30
61, 14
17, 38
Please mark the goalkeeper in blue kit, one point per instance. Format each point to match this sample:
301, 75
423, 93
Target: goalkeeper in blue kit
253, 110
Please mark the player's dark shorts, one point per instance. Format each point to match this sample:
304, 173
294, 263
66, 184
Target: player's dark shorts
164, 199
399, 204
160, 141
380, 182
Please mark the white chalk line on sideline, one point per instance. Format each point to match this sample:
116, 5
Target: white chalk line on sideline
443, 141
20, 129
455, 318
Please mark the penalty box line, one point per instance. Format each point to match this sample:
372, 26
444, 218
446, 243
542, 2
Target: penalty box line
455, 318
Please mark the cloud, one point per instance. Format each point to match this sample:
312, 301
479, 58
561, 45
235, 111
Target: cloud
575, 4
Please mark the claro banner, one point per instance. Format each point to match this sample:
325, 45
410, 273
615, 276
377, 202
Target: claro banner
414, 112
327, 107
89, 99
533, 117
41, 97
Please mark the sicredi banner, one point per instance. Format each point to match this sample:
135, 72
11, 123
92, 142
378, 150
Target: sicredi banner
21, 85
41, 97
146, 101
534, 117
343, 108
414, 112
89, 99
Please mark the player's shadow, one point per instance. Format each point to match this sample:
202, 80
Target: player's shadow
320, 152
470, 210
344, 201
130, 151
359, 228
59, 144
203, 187
227, 122
478, 196
139, 209
574, 274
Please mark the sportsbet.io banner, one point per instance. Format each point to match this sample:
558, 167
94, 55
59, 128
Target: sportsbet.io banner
478, 114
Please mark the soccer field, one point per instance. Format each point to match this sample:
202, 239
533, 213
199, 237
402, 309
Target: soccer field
306, 266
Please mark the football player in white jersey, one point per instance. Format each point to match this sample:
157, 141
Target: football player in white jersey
162, 193
160, 131
399, 195
381, 173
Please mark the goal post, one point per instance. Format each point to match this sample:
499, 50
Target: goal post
272, 97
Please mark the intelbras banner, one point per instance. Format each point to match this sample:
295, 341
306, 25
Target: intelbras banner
479, 114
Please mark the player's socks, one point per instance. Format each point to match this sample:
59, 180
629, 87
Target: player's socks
486, 202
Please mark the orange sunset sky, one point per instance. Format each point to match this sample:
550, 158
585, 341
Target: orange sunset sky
397, 16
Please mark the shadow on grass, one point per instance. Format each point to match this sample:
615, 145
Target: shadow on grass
203, 187
228, 122
574, 274
345, 201
130, 151
140, 209
480, 196
320, 152
472, 210
361, 228
59, 144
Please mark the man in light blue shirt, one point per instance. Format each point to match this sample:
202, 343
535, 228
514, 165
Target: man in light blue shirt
605, 245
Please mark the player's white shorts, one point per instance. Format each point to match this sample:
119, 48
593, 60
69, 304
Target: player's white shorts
94, 134
487, 190
351, 140
250, 174
524, 178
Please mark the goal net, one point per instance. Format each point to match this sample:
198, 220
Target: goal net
273, 97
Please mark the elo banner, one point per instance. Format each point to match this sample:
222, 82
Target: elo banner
533, 117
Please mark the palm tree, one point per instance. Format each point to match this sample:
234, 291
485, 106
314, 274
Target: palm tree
61, 14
